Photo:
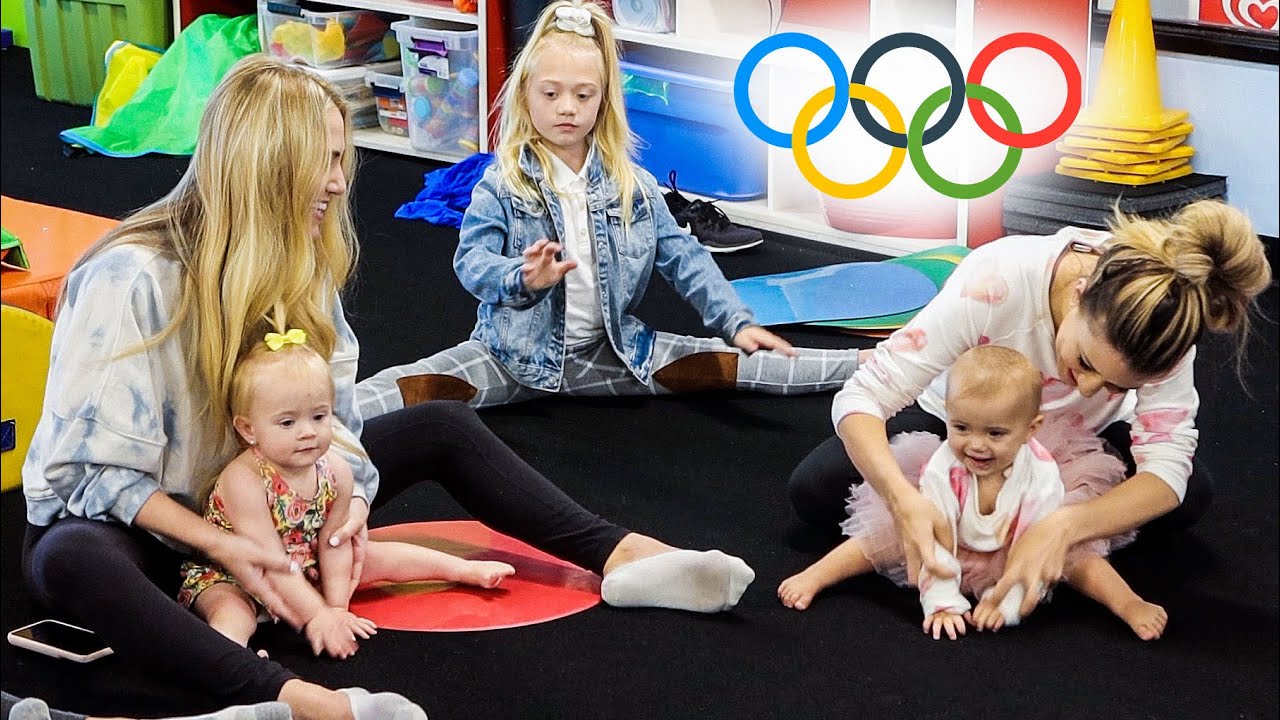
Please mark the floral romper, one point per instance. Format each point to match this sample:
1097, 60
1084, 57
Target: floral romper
298, 521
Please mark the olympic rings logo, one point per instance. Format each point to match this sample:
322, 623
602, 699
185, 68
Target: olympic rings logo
911, 142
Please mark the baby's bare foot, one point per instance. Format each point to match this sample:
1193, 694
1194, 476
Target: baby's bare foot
263, 654
797, 591
485, 573
1146, 619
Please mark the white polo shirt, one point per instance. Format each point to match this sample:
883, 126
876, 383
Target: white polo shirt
583, 315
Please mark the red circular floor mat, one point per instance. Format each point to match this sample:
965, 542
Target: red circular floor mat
543, 588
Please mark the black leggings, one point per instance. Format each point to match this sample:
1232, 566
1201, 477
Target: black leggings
121, 582
820, 484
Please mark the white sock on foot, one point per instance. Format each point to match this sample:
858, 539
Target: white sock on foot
382, 706
30, 709
706, 582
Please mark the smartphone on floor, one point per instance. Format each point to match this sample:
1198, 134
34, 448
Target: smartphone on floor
59, 639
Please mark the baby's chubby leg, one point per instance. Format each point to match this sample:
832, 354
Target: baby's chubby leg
229, 610
406, 562
1097, 578
845, 561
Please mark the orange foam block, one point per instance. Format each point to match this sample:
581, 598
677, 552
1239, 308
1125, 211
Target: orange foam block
53, 238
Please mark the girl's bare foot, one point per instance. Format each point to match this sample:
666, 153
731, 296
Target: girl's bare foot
797, 591
485, 573
1146, 619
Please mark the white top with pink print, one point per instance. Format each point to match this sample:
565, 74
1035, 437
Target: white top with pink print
1000, 294
1032, 489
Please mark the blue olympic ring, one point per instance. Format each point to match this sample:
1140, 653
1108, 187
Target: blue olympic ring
742, 98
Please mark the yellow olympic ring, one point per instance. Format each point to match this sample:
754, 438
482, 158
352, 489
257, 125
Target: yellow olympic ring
824, 184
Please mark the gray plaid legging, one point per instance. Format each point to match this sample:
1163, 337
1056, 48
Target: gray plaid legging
594, 369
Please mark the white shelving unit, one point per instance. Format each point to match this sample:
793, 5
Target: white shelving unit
375, 138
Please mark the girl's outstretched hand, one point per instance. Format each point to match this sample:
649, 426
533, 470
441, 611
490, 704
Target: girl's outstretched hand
1036, 560
541, 269
754, 337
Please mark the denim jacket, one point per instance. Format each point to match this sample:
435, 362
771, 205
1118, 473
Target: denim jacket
524, 329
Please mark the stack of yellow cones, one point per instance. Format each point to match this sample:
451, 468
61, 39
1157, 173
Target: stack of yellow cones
1125, 135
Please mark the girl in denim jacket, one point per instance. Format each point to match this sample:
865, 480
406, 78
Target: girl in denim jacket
561, 238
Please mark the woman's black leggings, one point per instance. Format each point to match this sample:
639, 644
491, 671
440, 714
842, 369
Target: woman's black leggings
820, 484
121, 582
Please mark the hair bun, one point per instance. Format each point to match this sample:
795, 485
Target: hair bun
1216, 248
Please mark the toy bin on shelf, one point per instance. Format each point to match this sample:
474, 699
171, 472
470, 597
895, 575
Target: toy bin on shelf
685, 121
69, 39
388, 97
349, 82
324, 37
442, 85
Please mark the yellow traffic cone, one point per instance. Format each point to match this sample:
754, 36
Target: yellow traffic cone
1127, 94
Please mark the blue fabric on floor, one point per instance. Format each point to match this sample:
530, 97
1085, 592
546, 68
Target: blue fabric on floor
446, 192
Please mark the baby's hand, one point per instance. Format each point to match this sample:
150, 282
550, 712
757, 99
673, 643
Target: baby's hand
334, 631
541, 269
952, 622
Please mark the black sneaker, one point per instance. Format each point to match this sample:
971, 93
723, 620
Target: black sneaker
708, 223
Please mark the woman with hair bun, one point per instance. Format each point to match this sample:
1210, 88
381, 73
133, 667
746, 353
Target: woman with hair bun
1111, 320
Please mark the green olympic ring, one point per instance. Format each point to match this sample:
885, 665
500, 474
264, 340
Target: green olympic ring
963, 191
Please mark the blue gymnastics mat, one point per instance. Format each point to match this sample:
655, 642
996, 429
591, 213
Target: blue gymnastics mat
835, 292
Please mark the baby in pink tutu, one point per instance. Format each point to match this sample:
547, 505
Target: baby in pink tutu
991, 480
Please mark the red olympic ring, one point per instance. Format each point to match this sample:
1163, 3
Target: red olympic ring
1069, 70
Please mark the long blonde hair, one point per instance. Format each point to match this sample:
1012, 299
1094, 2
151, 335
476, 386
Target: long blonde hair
1161, 283
240, 222
613, 138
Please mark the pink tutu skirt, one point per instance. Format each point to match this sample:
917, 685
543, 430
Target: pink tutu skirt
1087, 472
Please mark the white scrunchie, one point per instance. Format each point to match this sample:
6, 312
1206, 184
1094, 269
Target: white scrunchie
576, 20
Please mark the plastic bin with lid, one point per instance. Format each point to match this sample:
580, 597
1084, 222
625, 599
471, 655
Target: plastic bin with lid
323, 36
684, 116
388, 96
442, 85
349, 82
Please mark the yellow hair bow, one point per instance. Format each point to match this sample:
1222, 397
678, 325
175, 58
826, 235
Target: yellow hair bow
294, 336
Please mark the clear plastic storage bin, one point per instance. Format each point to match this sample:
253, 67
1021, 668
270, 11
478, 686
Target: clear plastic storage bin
388, 97
441, 71
322, 37
349, 82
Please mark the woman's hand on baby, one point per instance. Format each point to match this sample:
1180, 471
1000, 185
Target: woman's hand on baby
249, 563
944, 621
541, 269
1036, 561
754, 337
922, 526
335, 631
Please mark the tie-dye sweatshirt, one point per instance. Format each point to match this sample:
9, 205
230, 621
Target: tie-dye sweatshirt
1000, 294
121, 421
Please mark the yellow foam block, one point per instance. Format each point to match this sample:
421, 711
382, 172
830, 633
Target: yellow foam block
1092, 143
1132, 136
1127, 158
1156, 122
1124, 178
24, 357
1151, 168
